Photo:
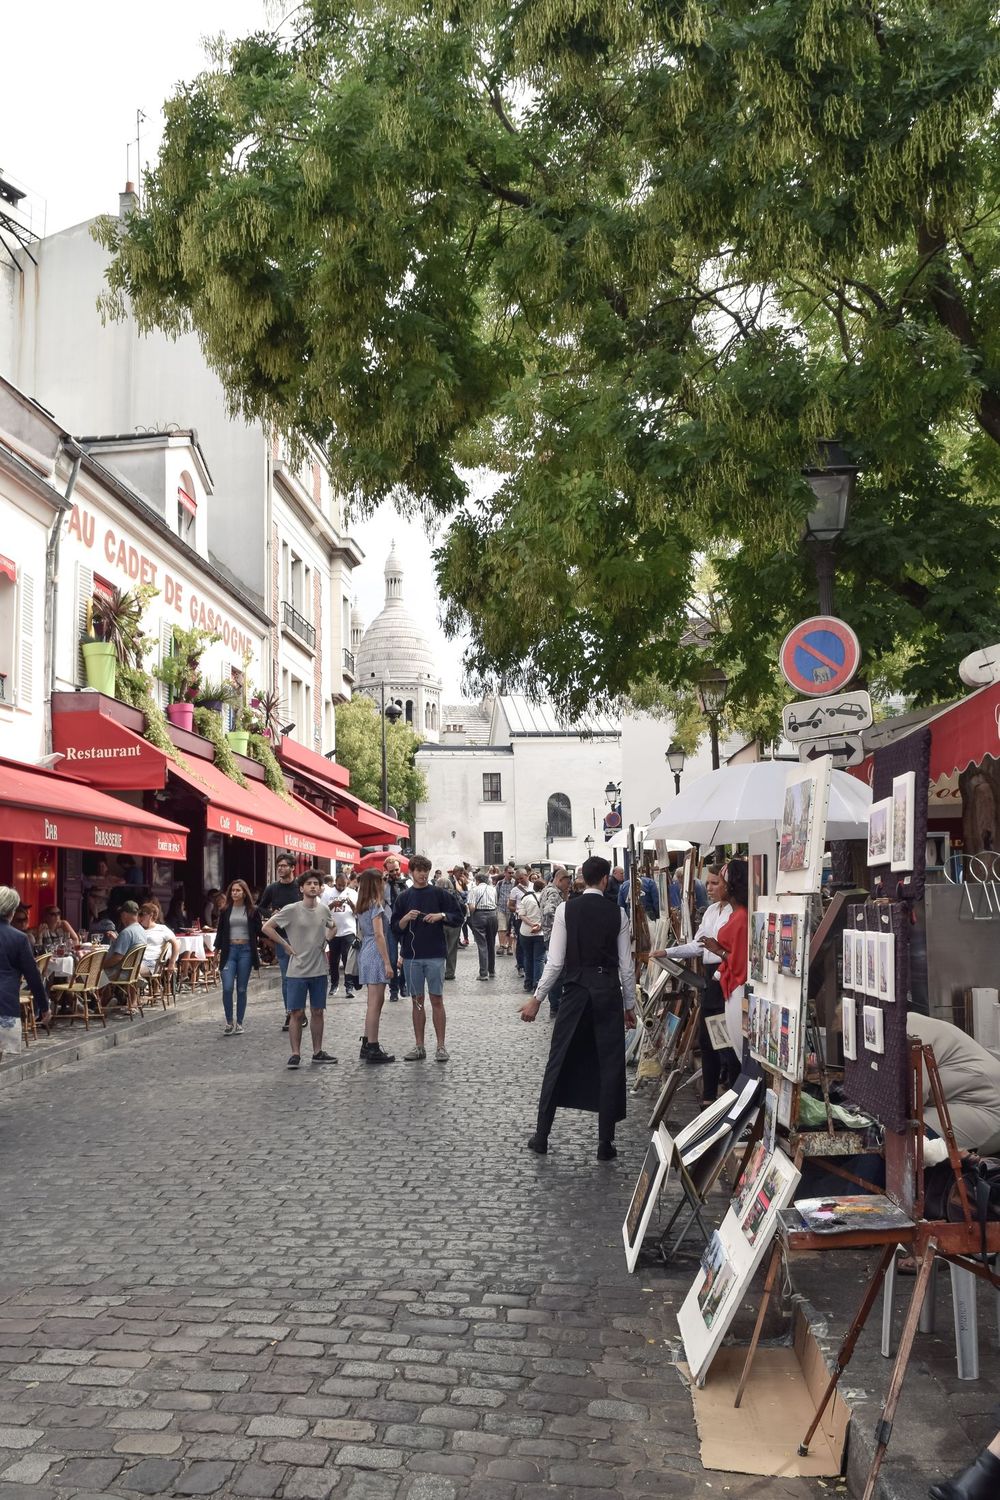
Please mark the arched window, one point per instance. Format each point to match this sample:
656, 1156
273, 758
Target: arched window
427, 716
409, 710
559, 815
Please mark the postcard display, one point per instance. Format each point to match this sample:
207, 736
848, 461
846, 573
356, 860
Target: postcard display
775, 1026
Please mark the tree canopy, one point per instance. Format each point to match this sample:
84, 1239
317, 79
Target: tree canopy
359, 751
632, 261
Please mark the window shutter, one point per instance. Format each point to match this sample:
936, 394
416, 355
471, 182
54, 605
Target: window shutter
166, 649
84, 594
26, 639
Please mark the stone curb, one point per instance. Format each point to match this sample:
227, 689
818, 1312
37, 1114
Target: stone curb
72, 1046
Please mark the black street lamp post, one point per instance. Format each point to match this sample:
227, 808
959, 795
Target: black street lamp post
675, 759
713, 689
832, 484
391, 712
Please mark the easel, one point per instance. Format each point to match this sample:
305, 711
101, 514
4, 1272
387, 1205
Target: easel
964, 1244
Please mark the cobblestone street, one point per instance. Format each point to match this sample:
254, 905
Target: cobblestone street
219, 1277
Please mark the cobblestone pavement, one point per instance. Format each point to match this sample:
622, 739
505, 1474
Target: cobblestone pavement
221, 1278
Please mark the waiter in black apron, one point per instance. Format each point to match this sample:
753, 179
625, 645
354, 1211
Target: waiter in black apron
590, 947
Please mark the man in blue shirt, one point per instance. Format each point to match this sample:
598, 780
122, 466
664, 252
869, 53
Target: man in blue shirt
649, 896
419, 916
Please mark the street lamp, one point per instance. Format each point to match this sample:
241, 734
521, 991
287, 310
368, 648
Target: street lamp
391, 712
713, 689
832, 484
611, 793
675, 759
588, 844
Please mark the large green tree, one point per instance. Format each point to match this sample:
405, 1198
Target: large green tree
359, 750
630, 262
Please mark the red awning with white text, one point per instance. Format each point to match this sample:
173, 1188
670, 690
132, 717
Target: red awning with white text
961, 736
42, 807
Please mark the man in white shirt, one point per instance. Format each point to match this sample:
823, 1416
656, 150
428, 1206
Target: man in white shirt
341, 904
590, 948
482, 908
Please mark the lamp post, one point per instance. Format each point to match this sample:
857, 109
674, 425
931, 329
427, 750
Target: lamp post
588, 844
675, 759
713, 689
832, 484
393, 713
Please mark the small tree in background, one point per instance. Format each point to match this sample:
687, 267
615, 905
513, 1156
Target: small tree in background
359, 751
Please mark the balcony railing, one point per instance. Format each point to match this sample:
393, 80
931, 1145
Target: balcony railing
350, 665
297, 623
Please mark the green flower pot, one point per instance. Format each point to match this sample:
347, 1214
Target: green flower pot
239, 739
99, 664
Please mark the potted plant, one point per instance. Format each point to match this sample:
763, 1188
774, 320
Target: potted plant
99, 660
180, 672
113, 638
247, 723
217, 696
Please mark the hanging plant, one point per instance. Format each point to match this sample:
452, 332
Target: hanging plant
209, 725
180, 672
261, 752
134, 688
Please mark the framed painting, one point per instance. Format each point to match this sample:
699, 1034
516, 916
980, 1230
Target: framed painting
904, 789
803, 829
652, 1178
880, 832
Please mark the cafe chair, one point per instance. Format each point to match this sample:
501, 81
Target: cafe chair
193, 968
79, 997
127, 988
160, 982
28, 1025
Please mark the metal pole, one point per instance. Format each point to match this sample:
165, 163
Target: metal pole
713, 725
824, 576
677, 783
385, 766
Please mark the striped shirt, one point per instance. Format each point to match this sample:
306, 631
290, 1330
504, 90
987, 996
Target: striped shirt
482, 897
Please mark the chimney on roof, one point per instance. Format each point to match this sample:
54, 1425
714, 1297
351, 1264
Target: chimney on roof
128, 202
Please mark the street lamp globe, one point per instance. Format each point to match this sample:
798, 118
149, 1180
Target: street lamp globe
713, 689
611, 793
675, 757
832, 484
393, 712
588, 843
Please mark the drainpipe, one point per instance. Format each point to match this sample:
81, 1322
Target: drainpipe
51, 594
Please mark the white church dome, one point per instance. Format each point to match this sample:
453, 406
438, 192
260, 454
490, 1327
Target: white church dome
394, 648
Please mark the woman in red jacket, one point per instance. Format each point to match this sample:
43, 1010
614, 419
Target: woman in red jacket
731, 944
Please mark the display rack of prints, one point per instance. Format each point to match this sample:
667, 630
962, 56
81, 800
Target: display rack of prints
873, 1009
803, 828
779, 972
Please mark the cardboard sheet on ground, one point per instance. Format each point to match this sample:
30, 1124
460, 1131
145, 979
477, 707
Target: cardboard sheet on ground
763, 1434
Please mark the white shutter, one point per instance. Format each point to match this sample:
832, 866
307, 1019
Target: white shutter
25, 690
84, 594
166, 649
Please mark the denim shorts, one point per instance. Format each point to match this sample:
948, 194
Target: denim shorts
313, 988
417, 970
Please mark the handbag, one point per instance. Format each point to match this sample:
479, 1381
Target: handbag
981, 1175
351, 962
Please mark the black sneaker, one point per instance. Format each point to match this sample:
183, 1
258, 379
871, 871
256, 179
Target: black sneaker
376, 1054
539, 1144
294, 1060
606, 1151
284, 1024
364, 1047
323, 1057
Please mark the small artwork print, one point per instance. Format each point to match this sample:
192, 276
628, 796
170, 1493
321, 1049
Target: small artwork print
871, 964
770, 1120
886, 966
879, 832
772, 935
903, 799
785, 1041
719, 1275
788, 947
859, 962
849, 1023
758, 945
753, 1010
718, 1033
873, 1029
756, 1214
758, 879
747, 1185
849, 958
795, 824
786, 1095
773, 1033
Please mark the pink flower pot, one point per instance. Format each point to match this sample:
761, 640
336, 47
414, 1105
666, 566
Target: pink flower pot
181, 715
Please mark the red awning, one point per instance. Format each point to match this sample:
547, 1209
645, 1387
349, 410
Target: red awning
325, 773
8, 567
347, 849
42, 807
961, 736
107, 754
366, 823
189, 503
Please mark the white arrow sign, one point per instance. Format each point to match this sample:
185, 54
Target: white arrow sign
844, 749
819, 718
981, 668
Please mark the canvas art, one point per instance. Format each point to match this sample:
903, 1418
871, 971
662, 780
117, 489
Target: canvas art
785, 1036
794, 851
770, 1120
718, 1032
758, 945
848, 937
719, 1276
788, 946
786, 1096
652, 1177
758, 879
859, 962
849, 1023
903, 807
760, 1206
772, 935
879, 832
886, 966
873, 1029
871, 964
747, 1184
774, 1034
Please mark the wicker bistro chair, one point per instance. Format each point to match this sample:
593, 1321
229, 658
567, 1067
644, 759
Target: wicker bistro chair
127, 987
28, 1023
194, 971
161, 984
79, 997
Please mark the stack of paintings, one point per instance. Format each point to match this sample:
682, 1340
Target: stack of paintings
777, 968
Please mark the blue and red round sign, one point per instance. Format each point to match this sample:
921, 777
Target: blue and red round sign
819, 656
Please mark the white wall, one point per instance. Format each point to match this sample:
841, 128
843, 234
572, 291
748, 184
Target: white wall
24, 523
449, 825
647, 782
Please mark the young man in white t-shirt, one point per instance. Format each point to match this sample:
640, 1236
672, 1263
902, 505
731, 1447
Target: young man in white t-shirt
341, 902
303, 929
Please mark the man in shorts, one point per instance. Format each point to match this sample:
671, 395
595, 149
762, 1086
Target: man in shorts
277, 895
301, 930
504, 887
419, 917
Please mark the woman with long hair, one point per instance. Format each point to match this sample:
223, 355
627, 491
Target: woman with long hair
731, 945
236, 942
374, 965
17, 962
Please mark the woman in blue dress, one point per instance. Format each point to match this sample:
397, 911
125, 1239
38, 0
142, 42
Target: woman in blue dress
374, 967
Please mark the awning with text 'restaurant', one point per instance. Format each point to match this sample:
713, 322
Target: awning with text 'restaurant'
961, 736
42, 807
107, 754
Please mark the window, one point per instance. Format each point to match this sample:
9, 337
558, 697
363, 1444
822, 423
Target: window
492, 848
491, 786
559, 816
187, 509
409, 710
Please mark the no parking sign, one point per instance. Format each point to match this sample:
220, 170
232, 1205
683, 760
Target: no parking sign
819, 656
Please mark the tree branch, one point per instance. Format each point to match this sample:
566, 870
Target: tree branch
951, 313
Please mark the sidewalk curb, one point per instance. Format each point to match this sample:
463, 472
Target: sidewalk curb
46, 1056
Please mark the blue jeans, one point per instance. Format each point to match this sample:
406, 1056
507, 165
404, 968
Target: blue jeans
236, 971
397, 984
283, 958
533, 949
417, 970
312, 989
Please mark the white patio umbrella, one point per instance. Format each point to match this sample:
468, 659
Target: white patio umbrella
728, 805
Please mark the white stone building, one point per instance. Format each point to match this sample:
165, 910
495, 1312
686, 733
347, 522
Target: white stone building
274, 525
395, 654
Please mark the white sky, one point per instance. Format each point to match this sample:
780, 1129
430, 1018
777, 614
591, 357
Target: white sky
73, 78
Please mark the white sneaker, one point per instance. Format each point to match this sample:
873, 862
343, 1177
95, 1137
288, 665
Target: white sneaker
441, 1055
230, 1029
416, 1054
238, 1029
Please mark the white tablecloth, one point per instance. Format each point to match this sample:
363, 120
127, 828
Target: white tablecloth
193, 945
60, 965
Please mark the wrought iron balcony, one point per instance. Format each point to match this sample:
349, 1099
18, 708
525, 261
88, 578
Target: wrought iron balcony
350, 665
298, 624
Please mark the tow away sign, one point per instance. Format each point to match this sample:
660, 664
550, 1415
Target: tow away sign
844, 749
823, 718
